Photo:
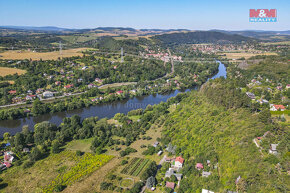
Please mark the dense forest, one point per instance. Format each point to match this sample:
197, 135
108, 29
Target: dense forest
199, 37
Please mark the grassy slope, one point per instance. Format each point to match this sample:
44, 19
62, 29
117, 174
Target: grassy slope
40, 174
229, 135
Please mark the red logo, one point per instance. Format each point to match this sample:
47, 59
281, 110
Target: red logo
263, 13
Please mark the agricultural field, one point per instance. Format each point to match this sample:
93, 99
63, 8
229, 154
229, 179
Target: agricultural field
135, 167
238, 55
93, 181
21, 55
276, 43
87, 165
4, 71
51, 171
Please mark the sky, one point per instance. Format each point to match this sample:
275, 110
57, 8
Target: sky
140, 14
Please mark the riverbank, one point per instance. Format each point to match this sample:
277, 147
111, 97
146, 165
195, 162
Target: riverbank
100, 110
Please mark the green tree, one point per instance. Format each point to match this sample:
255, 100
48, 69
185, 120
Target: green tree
265, 115
6, 136
35, 154
55, 148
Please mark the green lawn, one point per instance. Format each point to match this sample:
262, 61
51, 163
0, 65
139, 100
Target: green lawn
81, 144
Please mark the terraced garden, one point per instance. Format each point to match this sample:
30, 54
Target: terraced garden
136, 166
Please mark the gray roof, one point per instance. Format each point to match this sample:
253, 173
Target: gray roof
274, 147
206, 174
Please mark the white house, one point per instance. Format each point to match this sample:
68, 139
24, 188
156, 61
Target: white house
179, 162
273, 149
206, 174
47, 94
206, 191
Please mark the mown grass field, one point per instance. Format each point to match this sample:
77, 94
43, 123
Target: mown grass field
81, 144
277, 43
116, 85
20, 55
4, 71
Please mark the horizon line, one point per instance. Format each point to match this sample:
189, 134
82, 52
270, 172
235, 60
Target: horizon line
68, 28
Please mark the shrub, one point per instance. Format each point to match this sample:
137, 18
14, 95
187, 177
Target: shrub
59, 188
124, 162
27, 164
79, 153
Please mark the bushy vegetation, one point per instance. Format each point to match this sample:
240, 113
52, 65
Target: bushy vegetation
221, 128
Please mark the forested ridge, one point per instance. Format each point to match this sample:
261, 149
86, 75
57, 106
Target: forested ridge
198, 37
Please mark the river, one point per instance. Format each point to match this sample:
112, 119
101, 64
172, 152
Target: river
100, 110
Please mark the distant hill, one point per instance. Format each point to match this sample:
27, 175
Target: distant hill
261, 34
200, 37
44, 28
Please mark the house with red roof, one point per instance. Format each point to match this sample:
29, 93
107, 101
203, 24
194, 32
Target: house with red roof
12, 91
7, 164
69, 86
277, 108
119, 92
57, 83
179, 162
98, 80
199, 166
170, 185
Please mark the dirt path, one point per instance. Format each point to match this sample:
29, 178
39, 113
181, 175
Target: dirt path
92, 183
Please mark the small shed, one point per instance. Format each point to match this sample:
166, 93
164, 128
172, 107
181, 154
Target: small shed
199, 166
159, 153
206, 174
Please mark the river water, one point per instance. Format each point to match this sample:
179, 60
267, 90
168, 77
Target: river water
100, 110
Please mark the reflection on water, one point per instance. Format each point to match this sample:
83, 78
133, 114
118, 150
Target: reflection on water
100, 110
